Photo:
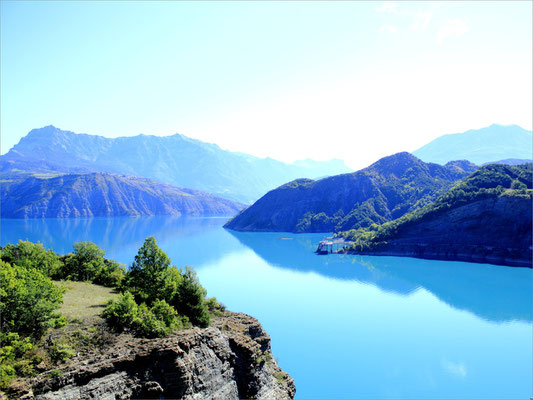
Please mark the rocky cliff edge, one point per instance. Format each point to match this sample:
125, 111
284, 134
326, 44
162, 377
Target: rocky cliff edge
232, 359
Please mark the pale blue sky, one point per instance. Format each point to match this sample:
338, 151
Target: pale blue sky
289, 80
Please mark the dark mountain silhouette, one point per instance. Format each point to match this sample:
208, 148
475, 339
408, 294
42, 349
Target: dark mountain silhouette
384, 191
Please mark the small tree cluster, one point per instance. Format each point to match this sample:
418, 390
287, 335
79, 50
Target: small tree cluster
28, 301
86, 263
156, 321
158, 297
32, 255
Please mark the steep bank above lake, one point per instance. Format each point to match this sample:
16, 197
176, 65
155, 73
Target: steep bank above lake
486, 218
472, 233
232, 359
103, 195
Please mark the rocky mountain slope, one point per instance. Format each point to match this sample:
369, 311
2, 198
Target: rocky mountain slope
384, 191
485, 218
176, 159
495, 142
101, 194
230, 360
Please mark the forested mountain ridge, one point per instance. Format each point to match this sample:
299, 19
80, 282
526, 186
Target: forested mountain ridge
487, 217
103, 194
381, 192
176, 159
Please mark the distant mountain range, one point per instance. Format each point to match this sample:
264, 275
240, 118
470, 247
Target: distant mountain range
176, 159
103, 194
487, 217
386, 190
511, 161
480, 146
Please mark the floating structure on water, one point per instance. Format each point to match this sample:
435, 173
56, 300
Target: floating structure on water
332, 245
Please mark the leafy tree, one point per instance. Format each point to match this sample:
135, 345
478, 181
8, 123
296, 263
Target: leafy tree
156, 321
171, 282
518, 185
28, 300
86, 263
148, 325
111, 275
165, 312
190, 299
146, 278
32, 255
158, 287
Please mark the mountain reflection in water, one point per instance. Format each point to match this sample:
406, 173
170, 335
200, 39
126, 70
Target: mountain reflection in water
492, 292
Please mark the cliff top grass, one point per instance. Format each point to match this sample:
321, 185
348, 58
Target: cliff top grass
84, 300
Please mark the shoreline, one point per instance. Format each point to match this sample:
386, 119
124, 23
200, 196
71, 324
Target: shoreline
451, 255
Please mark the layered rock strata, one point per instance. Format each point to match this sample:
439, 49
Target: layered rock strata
232, 359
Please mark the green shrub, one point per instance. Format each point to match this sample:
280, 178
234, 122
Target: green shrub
122, 313
13, 349
156, 321
28, 300
111, 274
164, 312
55, 373
32, 256
214, 306
7, 374
60, 352
148, 325
189, 299
85, 264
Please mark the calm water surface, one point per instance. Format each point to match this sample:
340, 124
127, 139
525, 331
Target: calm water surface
342, 326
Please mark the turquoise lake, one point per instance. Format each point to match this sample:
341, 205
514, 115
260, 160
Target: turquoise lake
342, 326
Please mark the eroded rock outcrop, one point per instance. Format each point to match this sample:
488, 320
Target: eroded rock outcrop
231, 359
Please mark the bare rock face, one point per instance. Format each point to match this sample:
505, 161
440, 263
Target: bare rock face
231, 359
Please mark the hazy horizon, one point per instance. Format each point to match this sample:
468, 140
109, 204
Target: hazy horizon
225, 149
355, 81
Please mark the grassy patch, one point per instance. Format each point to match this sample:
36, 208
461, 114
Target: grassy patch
46, 176
85, 301
86, 331
280, 376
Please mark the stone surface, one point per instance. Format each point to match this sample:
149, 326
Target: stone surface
231, 359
